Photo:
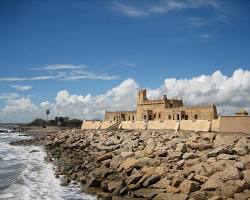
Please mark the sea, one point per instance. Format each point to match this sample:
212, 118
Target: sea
24, 175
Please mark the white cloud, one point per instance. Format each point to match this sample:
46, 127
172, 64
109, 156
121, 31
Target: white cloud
62, 67
68, 72
35, 78
162, 7
121, 97
229, 93
9, 95
19, 110
21, 87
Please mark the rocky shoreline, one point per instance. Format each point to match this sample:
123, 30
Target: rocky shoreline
144, 164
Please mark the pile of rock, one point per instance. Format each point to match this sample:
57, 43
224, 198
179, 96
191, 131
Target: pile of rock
153, 164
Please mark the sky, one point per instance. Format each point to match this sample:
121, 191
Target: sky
79, 58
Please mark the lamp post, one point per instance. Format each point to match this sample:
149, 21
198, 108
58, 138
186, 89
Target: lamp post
47, 113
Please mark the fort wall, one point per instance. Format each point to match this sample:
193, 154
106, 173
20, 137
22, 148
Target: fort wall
225, 124
233, 124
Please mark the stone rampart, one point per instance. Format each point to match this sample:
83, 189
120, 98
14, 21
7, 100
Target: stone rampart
233, 124
107, 124
230, 124
195, 125
172, 125
156, 125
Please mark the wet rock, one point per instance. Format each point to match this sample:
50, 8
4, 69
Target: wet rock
34, 151
65, 181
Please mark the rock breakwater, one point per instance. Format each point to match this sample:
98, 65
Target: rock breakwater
134, 164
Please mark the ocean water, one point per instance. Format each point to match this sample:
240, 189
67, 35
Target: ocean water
25, 175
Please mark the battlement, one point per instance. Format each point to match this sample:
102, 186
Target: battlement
120, 111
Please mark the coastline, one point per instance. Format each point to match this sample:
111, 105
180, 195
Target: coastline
150, 164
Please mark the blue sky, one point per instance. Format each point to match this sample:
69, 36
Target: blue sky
91, 46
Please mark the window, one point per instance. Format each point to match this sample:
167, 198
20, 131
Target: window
178, 116
195, 116
169, 116
154, 116
114, 118
159, 115
133, 118
128, 118
145, 117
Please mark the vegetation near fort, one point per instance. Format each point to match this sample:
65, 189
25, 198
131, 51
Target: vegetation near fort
62, 121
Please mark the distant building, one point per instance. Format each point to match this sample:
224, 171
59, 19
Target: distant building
162, 109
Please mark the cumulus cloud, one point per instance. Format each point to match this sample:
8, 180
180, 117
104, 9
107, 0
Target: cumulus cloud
21, 87
229, 93
121, 97
19, 110
5, 96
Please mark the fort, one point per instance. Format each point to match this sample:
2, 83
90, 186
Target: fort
171, 114
162, 109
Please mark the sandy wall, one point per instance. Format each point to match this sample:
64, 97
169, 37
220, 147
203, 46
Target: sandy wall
235, 124
156, 125
195, 125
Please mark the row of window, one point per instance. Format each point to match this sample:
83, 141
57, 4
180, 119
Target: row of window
124, 118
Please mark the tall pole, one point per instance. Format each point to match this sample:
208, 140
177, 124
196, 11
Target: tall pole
47, 113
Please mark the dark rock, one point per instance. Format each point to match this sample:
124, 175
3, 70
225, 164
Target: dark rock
151, 180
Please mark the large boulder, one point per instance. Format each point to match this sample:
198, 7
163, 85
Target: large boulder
230, 173
161, 184
170, 196
212, 184
151, 180
105, 156
246, 174
147, 193
219, 150
241, 147
188, 186
232, 187
127, 164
